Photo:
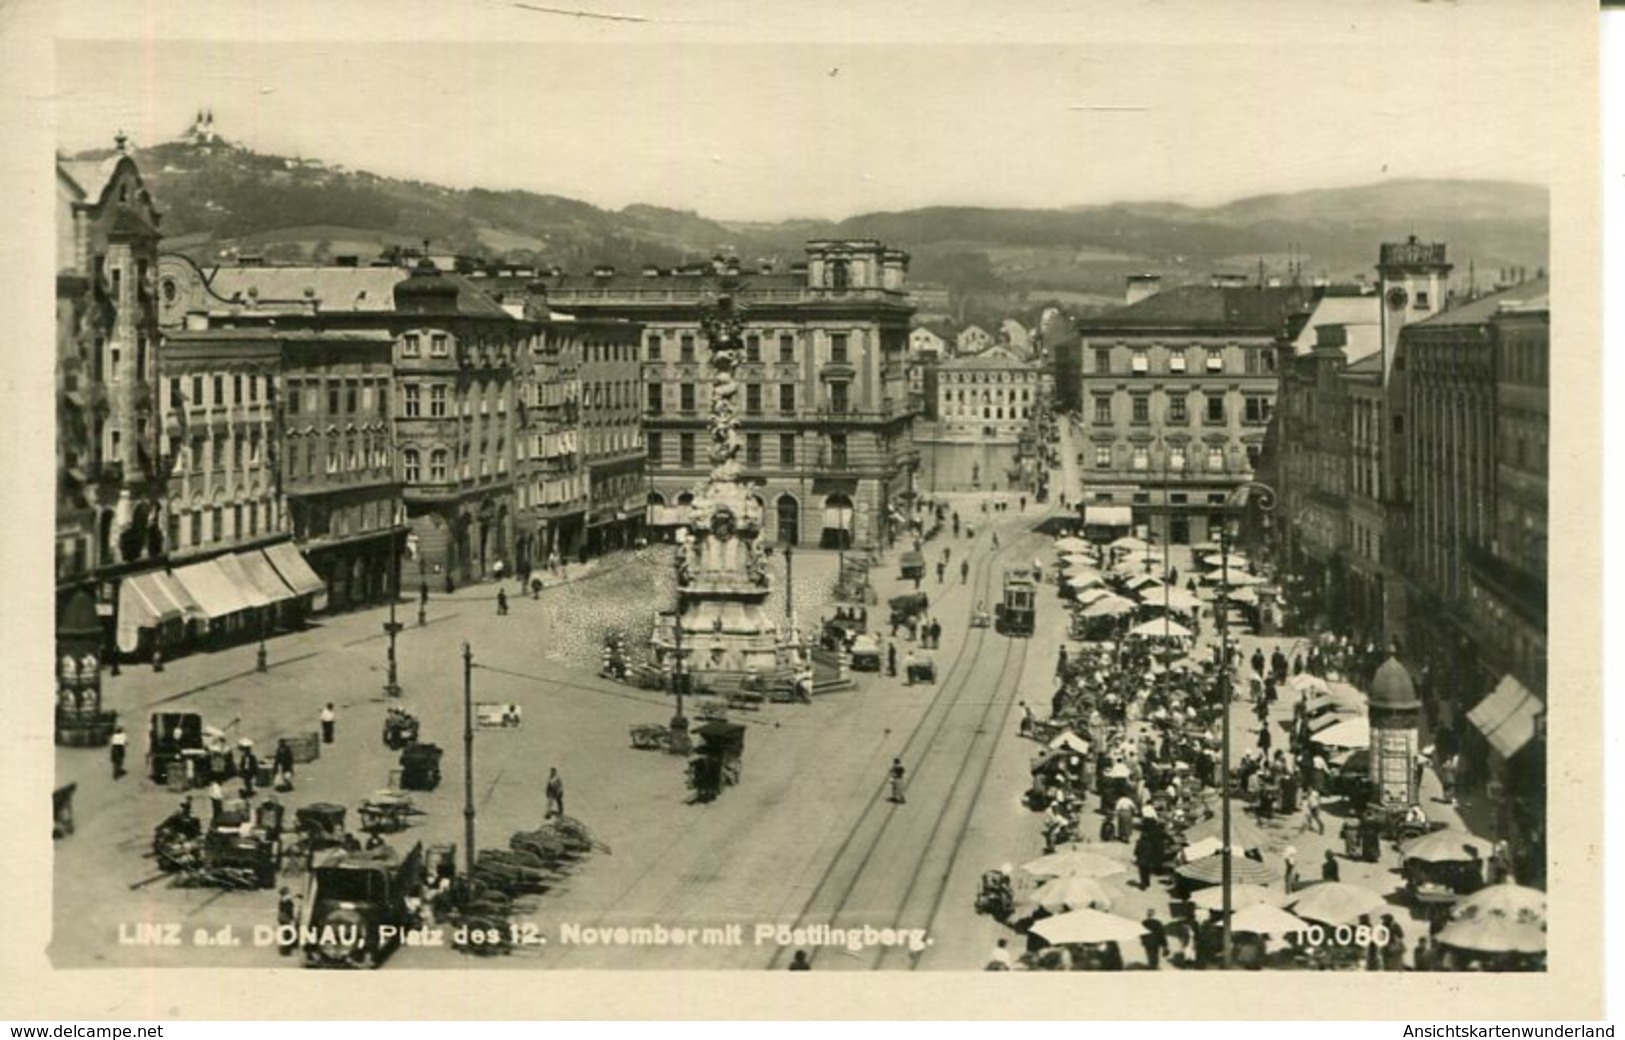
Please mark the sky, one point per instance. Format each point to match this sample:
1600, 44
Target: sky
769, 112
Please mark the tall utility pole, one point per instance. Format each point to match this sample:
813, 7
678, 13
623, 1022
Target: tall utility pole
1224, 727
468, 760
392, 685
789, 585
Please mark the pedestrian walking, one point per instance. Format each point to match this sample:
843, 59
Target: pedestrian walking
916, 583
248, 767
908, 668
1447, 777
891, 659
942, 568
956, 524
1290, 873
329, 723
1023, 503
217, 801
995, 539
1154, 939
115, 750
287, 920
502, 603
555, 793
964, 571
282, 766
1311, 811
1328, 868
1422, 957
423, 593
157, 659
896, 774
450, 586
936, 633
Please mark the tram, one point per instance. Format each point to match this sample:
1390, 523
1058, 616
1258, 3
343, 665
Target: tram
1014, 616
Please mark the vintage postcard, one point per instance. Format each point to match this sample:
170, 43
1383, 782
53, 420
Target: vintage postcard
656, 496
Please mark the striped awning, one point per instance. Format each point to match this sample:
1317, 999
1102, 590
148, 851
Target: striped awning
292, 569
213, 589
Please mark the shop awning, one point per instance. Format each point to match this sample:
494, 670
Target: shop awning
142, 600
1508, 717
1108, 516
292, 569
232, 567
215, 593
264, 577
172, 590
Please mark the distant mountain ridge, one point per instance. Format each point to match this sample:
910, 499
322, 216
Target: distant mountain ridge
221, 200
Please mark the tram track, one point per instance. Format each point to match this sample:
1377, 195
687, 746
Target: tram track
928, 863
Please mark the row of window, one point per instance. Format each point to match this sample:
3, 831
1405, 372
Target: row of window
989, 377
688, 398
199, 391
343, 456
656, 443
1256, 409
412, 345
987, 411
208, 525
344, 396
687, 351
1256, 361
215, 452
1177, 457
440, 465
439, 396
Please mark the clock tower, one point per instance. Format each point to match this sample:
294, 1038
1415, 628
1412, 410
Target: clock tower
1412, 284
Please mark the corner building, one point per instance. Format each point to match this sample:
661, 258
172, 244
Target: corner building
826, 416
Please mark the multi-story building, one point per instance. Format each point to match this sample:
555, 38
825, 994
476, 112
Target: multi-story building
110, 459
1368, 577
554, 483
826, 417
1449, 482
338, 466
612, 399
972, 339
1176, 392
989, 397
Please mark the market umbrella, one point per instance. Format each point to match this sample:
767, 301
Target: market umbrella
1069, 741
1176, 599
1209, 870
1158, 629
1078, 559
1244, 595
1088, 926
1074, 893
1264, 919
1446, 846
1141, 581
1108, 606
1241, 897
1089, 595
1129, 543
1494, 935
1083, 580
1235, 578
1352, 732
1336, 902
1073, 863
1234, 561
1506, 901
1071, 544
1303, 682
1346, 696
1205, 547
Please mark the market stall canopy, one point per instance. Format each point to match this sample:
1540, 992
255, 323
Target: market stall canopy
1235, 578
1506, 901
1241, 896
1353, 731
1092, 594
1088, 926
1245, 594
1304, 682
1161, 629
1177, 599
1209, 870
1143, 581
1078, 559
1075, 893
1073, 863
1108, 606
1508, 717
1264, 919
1083, 580
265, 578
1129, 543
1492, 935
1234, 561
1071, 544
1447, 846
234, 569
1336, 902
1347, 697
1069, 741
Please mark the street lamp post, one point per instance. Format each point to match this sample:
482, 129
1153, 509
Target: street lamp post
789, 585
1266, 503
392, 685
468, 759
261, 662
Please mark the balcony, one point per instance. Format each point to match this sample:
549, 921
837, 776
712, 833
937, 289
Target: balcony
838, 370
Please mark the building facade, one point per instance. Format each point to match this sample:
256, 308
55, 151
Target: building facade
1176, 393
992, 396
824, 385
972, 339
110, 459
612, 398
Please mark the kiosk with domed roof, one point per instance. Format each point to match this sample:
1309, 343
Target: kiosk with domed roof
1395, 717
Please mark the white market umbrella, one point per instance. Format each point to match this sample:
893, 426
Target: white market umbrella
1241, 896
1129, 543
1243, 595
1108, 606
1068, 741
1264, 919
1078, 560
1159, 629
1073, 863
1303, 682
1336, 902
1092, 593
1176, 599
1352, 732
1071, 544
1088, 926
1075, 893
1143, 581
1083, 581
